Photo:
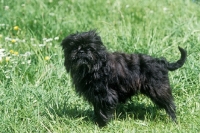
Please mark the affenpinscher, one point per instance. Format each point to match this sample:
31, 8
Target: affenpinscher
106, 79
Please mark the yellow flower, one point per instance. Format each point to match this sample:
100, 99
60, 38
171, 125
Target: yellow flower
16, 53
7, 59
13, 40
46, 58
12, 51
16, 28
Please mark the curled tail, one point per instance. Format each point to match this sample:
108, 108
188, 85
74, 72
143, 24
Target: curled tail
180, 62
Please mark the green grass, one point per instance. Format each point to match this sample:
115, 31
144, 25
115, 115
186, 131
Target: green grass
36, 95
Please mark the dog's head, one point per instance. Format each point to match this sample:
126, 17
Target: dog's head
83, 50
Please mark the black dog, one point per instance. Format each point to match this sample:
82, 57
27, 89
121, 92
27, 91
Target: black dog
106, 79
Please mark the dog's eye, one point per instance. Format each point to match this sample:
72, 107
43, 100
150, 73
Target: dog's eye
79, 48
71, 43
90, 48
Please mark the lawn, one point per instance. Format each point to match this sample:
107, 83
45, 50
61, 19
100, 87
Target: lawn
36, 94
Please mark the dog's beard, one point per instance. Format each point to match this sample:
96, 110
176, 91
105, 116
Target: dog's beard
82, 64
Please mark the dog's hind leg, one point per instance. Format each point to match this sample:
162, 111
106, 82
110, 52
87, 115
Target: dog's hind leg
162, 97
167, 104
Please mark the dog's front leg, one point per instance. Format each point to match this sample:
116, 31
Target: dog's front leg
104, 108
102, 116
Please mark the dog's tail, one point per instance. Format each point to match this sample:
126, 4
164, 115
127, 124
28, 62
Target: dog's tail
180, 62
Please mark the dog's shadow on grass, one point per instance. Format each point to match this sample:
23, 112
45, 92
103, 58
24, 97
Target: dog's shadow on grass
135, 111
64, 110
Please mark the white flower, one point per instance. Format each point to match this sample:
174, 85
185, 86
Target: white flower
2, 25
2, 54
56, 38
2, 50
6, 7
7, 38
127, 6
32, 39
49, 40
44, 39
7, 76
27, 54
165, 9
29, 61
41, 45
23, 40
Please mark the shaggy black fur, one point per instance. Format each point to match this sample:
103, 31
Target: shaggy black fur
106, 79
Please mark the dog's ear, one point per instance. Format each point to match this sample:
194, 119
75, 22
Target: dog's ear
69, 40
93, 32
